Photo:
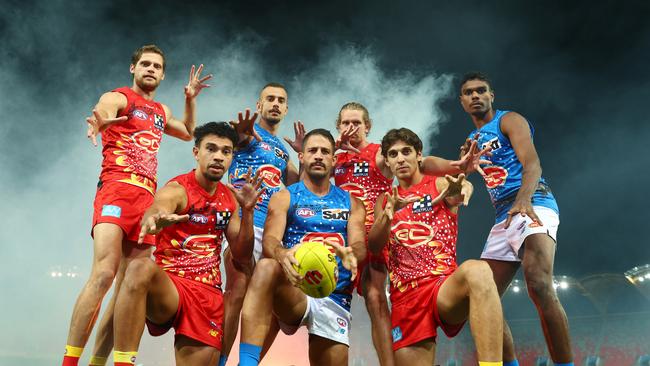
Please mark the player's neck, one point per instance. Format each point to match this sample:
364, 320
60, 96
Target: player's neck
207, 184
409, 182
482, 119
318, 187
148, 95
362, 144
272, 128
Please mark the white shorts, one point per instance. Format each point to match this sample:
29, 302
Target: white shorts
324, 318
257, 247
504, 244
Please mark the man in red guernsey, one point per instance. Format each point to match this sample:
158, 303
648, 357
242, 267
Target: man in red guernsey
182, 289
132, 125
427, 288
361, 169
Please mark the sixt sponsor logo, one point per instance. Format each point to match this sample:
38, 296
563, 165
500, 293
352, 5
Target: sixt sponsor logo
493, 143
140, 114
198, 219
336, 214
305, 212
281, 154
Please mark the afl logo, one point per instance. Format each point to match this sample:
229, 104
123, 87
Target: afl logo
342, 323
270, 175
147, 140
140, 115
198, 219
412, 233
305, 212
356, 190
495, 176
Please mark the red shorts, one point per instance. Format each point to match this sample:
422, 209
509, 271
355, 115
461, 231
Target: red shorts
199, 315
381, 259
415, 316
122, 204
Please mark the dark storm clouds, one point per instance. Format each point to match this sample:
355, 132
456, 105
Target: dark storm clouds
578, 71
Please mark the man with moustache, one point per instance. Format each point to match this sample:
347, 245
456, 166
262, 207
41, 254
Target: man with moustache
131, 124
182, 289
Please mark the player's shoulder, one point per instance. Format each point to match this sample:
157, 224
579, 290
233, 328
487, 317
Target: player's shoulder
113, 97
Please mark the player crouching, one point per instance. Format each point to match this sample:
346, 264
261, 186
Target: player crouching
190, 216
428, 289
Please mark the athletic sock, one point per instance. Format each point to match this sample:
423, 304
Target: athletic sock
71, 355
97, 361
222, 360
249, 354
511, 363
124, 358
563, 364
490, 363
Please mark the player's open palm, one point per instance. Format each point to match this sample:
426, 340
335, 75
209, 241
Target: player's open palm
458, 191
395, 202
153, 224
471, 158
249, 193
299, 131
196, 82
245, 125
348, 259
97, 123
343, 141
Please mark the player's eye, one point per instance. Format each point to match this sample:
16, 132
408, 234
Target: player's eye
281, 100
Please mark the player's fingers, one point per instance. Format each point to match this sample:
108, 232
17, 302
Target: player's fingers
508, 220
535, 218
480, 171
191, 74
205, 78
240, 116
483, 161
198, 71
440, 196
183, 218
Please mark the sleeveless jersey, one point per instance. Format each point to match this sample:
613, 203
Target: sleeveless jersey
359, 175
192, 249
270, 157
324, 219
130, 148
503, 175
422, 242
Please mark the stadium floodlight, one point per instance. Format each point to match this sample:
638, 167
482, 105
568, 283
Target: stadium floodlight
638, 274
563, 282
515, 289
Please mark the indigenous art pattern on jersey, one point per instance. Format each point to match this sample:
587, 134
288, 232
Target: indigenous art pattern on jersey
130, 148
422, 242
192, 249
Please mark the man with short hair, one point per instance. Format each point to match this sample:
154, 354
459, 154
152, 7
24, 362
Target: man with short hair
182, 289
303, 212
132, 125
527, 215
418, 221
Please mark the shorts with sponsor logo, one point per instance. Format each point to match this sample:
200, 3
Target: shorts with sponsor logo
324, 318
257, 247
414, 315
199, 315
505, 244
122, 204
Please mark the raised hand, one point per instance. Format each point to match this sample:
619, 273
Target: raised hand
97, 124
299, 130
249, 193
153, 224
394, 202
245, 125
196, 83
524, 208
348, 259
343, 141
470, 159
457, 191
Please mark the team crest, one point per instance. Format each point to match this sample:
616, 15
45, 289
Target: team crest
158, 121
424, 204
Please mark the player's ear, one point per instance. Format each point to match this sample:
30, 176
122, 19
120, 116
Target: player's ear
195, 152
258, 106
132, 69
300, 155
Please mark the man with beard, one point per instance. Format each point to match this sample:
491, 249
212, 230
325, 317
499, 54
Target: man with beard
527, 215
262, 151
273, 292
190, 217
419, 222
132, 125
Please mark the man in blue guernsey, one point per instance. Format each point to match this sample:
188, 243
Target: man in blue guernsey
311, 210
261, 151
527, 215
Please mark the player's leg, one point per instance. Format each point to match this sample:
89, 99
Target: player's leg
107, 251
190, 352
467, 294
537, 263
237, 278
147, 292
419, 354
373, 281
503, 273
326, 352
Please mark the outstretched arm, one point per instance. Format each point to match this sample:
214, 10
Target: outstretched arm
104, 114
184, 129
169, 200
516, 128
240, 232
469, 161
357, 232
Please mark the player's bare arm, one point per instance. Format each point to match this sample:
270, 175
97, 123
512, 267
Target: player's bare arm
184, 129
240, 232
245, 127
455, 191
516, 128
293, 174
276, 222
169, 200
355, 252
104, 114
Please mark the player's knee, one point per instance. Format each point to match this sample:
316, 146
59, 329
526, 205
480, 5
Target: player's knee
375, 298
478, 276
138, 274
102, 278
265, 273
540, 286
